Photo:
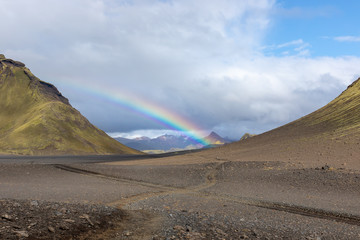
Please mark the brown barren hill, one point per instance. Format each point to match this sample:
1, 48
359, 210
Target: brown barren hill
330, 135
36, 119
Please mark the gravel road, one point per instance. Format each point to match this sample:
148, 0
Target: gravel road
86, 198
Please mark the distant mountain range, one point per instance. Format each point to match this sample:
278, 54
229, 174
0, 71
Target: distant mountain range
167, 142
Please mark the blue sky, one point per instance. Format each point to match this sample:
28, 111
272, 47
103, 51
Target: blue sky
228, 66
319, 24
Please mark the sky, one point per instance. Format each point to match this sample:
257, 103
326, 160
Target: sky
227, 66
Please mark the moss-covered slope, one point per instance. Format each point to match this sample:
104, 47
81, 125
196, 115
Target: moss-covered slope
36, 119
339, 118
330, 135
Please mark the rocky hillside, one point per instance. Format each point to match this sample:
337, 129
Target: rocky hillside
36, 119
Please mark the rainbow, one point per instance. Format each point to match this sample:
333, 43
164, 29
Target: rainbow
145, 108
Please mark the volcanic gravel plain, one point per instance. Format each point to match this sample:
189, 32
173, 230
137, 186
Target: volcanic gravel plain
201, 195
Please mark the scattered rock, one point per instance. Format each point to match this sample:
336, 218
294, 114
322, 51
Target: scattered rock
326, 167
64, 227
87, 217
221, 232
244, 236
178, 228
34, 203
6, 217
64, 210
22, 220
157, 237
22, 233
127, 233
17, 205
69, 220
57, 213
32, 225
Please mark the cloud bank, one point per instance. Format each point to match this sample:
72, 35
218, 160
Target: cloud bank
205, 60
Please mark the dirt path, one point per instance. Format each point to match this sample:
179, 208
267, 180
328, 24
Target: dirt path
209, 181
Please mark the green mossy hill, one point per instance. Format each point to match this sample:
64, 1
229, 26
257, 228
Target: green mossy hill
338, 118
35, 119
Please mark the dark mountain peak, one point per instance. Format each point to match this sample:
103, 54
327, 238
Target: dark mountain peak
215, 138
10, 62
10, 68
47, 89
214, 135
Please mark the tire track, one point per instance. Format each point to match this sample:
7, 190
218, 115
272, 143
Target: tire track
311, 212
99, 175
210, 180
289, 208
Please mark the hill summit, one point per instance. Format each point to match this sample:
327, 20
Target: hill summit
36, 119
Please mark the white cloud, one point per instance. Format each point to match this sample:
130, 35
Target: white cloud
298, 42
286, 88
347, 38
151, 133
296, 47
200, 59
